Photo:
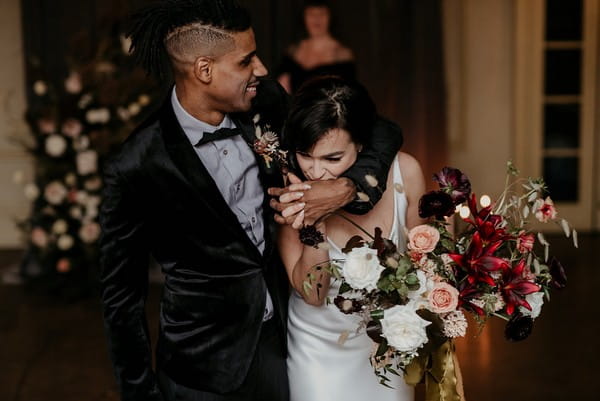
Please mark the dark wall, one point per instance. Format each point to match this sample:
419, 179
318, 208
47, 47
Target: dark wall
397, 44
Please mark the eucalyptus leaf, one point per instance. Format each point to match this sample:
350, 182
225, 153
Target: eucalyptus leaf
565, 226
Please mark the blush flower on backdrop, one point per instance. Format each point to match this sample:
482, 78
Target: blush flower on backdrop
75, 121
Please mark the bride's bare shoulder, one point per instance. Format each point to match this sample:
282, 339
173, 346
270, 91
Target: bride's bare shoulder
409, 165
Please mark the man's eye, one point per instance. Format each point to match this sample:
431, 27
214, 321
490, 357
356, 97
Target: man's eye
245, 62
333, 159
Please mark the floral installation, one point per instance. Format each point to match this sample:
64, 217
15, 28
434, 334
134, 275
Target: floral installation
75, 123
267, 145
413, 302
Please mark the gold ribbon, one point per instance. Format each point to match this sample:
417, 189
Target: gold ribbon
440, 371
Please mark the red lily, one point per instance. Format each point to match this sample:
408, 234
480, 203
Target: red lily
486, 223
468, 292
478, 261
516, 287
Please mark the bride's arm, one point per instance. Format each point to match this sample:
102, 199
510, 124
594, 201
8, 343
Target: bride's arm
414, 185
300, 260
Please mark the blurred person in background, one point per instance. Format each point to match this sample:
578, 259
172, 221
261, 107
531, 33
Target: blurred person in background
319, 53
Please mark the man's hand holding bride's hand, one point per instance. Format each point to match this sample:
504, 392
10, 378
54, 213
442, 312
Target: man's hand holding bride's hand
304, 202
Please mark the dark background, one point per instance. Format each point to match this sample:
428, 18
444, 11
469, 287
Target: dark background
397, 45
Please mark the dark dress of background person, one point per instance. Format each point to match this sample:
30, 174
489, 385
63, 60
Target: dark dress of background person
159, 199
298, 74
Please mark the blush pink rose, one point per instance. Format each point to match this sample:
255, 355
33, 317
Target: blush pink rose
423, 238
443, 298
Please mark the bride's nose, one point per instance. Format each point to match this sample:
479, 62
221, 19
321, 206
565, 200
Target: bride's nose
318, 171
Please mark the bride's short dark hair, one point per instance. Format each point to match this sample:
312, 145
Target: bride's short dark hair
327, 103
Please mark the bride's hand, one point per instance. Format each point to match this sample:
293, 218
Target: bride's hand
315, 200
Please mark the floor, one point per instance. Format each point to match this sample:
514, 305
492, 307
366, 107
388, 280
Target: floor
55, 351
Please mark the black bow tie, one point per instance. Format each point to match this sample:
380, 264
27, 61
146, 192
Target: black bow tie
221, 133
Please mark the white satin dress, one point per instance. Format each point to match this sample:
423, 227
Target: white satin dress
322, 369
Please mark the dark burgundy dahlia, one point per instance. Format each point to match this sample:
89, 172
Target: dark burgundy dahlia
436, 203
455, 183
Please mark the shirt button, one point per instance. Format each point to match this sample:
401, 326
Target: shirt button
253, 219
237, 187
225, 152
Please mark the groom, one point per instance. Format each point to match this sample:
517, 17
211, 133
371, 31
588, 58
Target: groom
188, 188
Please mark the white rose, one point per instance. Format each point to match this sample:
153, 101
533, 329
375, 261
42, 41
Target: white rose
65, 242
403, 328
70, 179
55, 193
60, 226
535, 300
73, 83
134, 108
31, 191
98, 116
123, 113
81, 197
81, 143
144, 100
75, 212
40, 88
89, 232
423, 286
87, 162
362, 269
56, 145
91, 212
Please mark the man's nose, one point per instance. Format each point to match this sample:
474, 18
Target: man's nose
259, 68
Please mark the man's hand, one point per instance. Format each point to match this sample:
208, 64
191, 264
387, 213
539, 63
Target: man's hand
304, 202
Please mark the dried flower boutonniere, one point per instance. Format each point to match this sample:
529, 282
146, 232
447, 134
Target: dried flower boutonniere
267, 145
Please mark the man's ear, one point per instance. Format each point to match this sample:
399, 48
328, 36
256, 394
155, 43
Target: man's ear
203, 69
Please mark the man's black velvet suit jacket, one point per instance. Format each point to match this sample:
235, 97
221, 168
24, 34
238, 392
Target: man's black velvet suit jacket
160, 200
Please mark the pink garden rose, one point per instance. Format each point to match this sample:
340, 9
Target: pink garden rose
423, 238
39, 237
545, 210
63, 265
443, 298
525, 242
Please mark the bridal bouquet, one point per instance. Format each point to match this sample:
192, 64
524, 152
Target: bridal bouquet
413, 301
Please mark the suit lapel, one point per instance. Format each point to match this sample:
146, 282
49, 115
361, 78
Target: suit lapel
183, 155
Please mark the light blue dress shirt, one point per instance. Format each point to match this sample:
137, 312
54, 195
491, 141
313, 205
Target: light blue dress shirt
232, 165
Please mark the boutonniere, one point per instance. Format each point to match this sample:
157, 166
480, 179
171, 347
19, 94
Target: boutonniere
267, 145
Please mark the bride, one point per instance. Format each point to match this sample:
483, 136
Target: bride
328, 359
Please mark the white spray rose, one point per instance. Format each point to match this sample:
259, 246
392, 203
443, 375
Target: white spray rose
403, 328
56, 145
362, 269
89, 232
65, 242
87, 162
535, 300
60, 226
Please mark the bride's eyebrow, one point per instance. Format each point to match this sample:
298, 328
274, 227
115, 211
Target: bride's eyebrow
334, 154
